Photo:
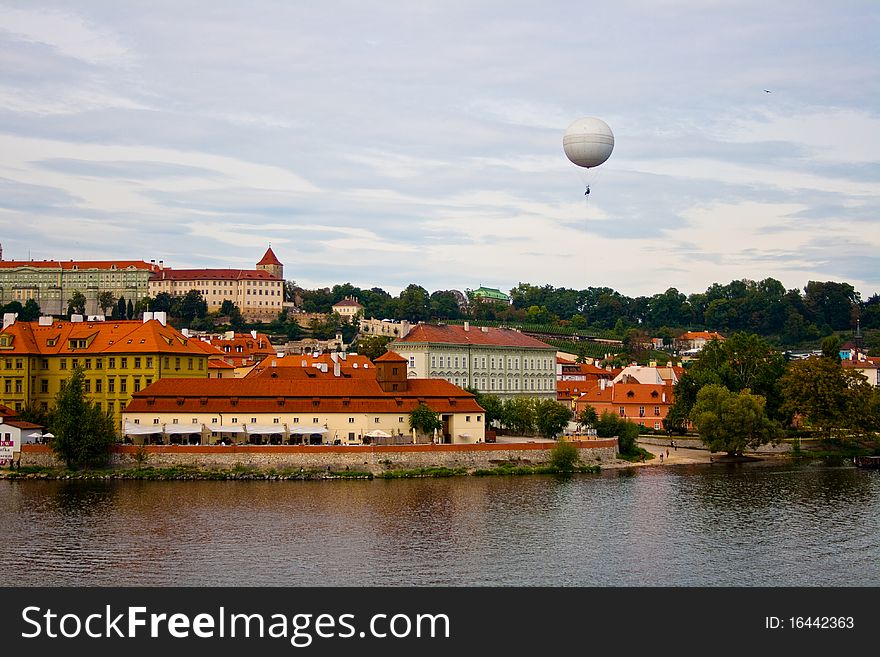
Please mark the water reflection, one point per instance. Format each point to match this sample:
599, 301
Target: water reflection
673, 526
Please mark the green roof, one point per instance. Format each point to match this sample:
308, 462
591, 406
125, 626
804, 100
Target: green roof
491, 293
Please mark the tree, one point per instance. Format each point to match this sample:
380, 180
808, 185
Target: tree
519, 415
76, 304
227, 307
412, 303
162, 303
731, 421
293, 330
551, 417
105, 301
492, 404
83, 432
30, 312
190, 306
373, 346
119, 312
564, 456
830, 346
424, 420
129, 310
828, 396
588, 417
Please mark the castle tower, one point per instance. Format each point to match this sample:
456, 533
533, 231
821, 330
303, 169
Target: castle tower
271, 264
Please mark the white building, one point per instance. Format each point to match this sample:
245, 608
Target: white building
497, 361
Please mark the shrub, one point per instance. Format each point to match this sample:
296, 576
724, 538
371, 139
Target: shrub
564, 456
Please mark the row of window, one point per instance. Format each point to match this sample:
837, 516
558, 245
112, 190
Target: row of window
480, 362
480, 383
137, 362
277, 420
622, 411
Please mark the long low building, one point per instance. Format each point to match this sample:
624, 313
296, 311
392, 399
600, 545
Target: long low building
331, 410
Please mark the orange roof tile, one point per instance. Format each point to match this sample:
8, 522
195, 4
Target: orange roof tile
168, 274
475, 335
78, 264
269, 258
129, 336
298, 396
390, 357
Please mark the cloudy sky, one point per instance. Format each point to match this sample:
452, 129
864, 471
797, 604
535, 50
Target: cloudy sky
391, 142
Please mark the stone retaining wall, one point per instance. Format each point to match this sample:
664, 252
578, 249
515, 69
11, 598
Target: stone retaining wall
367, 458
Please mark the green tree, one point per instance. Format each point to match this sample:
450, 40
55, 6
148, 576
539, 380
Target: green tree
190, 306
129, 310
83, 432
119, 311
828, 396
610, 425
588, 417
106, 301
227, 307
162, 303
373, 346
519, 415
551, 417
76, 304
830, 346
564, 456
293, 330
30, 312
424, 420
492, 404
412, 303
731, 421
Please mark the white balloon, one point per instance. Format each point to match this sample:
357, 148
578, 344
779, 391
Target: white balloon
588, 142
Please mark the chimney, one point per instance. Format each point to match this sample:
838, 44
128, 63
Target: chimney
73, 318
601, 384
161, 317
467, 326
161, 264
147, 317
274, 364
323, 367
484, 329
9, 319
45, 320
185, 332
343, 355
337, 368
663, 397
254, 334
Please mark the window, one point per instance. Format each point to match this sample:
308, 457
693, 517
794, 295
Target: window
123, 362
296, 420
111, 385
433, 361
400, 419
123, 385
87, 386
235, 420
149, 361
467, 418
18, 387
190, 364
656, 410
276, 420
98, 385
376, 420
63, 363
177, 363
622, 411
99, 363
137, 421
253, 420
155, 420
137, 385
641, 411
44, 385
7, 386
412, 361
137, 362
111, 363
314, 420
45, 363
88, 363
351, 420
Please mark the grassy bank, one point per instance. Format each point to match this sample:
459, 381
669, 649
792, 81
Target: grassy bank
244, 473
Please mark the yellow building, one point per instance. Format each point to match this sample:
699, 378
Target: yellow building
119, 358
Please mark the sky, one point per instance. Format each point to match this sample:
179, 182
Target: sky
386, 143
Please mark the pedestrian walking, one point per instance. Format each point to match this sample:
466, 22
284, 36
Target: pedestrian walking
667, 453
673, 446
661, 457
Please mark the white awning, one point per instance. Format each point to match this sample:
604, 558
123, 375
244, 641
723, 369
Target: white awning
226, 428
307, 430
264, 429
183, 428
132, 429
378, 433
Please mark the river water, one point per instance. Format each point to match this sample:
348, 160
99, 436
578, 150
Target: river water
701, 525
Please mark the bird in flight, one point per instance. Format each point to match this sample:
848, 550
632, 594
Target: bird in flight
767, 91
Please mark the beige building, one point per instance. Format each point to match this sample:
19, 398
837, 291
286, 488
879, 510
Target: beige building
349, 309
328, 409
502, 362
51, 283
384, 327
258, 293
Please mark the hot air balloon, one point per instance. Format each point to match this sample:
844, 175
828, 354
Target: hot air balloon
588, 142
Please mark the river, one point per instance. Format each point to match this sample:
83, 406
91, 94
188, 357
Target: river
694, 525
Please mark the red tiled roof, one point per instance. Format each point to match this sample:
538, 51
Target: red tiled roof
454, 334
5, 411
390, 357
168, 274
78, 264
705, 335
21, 424
347, 302
304, 366
629, 393
112, 337
298, 396
269, 258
